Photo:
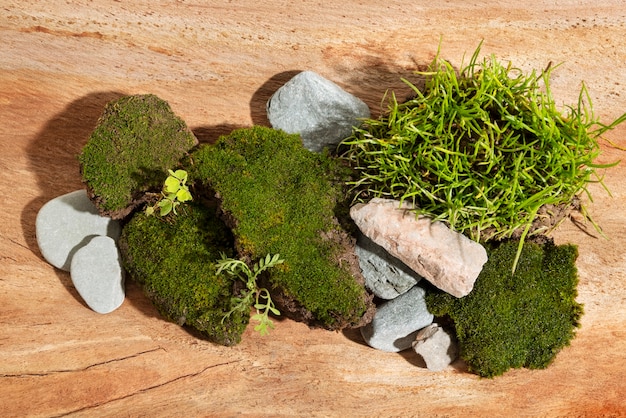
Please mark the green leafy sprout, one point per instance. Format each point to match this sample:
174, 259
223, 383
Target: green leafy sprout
482, 149
260, 296
175, 191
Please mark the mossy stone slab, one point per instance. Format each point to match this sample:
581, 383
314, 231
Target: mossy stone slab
137, 139
174, 260
282, 199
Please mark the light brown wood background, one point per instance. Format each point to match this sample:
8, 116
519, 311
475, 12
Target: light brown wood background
217, 62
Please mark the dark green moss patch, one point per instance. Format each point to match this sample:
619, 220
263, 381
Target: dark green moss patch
282, 198
174, 261
520, 320
136, 140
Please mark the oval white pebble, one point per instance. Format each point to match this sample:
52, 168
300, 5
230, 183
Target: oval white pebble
97, 274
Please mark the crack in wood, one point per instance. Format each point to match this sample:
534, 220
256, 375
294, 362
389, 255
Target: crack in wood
6, 257
19, 244
147, 389
52, 372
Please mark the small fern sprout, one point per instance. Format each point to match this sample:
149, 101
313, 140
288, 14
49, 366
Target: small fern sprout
260, 296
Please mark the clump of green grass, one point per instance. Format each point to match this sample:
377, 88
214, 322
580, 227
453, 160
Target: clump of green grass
521, 320
482, 149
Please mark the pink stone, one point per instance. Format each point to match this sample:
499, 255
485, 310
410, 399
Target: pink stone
447, 259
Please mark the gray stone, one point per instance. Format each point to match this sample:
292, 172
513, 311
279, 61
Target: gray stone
68, 222
397, 321
437, 346
317, 109
447, 259
385, 276
97, 274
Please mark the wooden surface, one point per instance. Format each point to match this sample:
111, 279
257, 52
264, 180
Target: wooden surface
217, 62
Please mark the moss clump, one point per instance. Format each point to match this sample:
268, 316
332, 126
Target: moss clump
134, 143
520, 320
282, 199
175, 260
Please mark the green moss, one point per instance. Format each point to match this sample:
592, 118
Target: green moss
174, 261
520, 320
134, 143
283, 199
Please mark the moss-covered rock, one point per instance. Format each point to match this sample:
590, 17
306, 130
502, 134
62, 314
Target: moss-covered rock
174, 261
520, 320
281, 198
137, 139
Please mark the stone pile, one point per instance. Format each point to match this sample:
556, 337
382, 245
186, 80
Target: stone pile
73, 237
396, 239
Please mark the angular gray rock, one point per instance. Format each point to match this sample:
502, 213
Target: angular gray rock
397, 321
97, 274
317, 109
437, 346
385, 276
447, 259
66, 223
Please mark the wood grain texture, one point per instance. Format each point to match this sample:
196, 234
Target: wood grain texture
217, 62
